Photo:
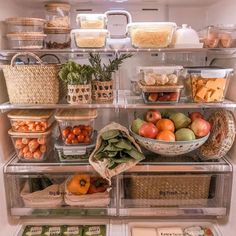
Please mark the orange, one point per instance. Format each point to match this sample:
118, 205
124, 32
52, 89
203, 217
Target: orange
165, 124
166, 135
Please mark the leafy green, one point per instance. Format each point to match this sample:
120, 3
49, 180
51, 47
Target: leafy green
76, 74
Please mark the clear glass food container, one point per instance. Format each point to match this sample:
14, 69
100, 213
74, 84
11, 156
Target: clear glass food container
210, 37
24, 25
57, 15
89, 38
31, 121
207, 84
74, 153
31, 147
76, 126
151, 34
26, 41
91, 21
227, 35
159, 75
57, 38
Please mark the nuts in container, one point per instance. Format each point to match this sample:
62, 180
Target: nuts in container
30, 121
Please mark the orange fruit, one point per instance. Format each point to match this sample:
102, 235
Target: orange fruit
165, 124
166, 135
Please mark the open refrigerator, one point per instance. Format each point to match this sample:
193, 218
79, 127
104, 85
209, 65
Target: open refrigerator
126, 210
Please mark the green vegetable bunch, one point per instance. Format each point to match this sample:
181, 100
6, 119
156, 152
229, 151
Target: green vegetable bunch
103, 72
76, 74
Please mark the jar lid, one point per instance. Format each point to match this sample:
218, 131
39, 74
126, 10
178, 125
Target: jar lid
55, 6
48, 30
30, 114
25, 21
26, 36
76, 114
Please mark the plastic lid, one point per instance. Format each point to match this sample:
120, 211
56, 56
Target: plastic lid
150, 24
25, 21
57, 30
73, 114
29, 135
27, 36
104, 31
160, 69
55, 6
91, 16
30, 114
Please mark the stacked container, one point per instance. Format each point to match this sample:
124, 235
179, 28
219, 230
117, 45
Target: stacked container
30, 133
92, 32
78, 136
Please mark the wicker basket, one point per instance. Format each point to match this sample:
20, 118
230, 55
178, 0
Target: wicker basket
78, 94
102, 91
32, 84
167, 187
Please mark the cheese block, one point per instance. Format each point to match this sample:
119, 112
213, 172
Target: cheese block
144, 232
170, 231
221, 139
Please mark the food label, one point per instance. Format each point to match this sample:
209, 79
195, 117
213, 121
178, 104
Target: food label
73, 230
170, 232
213, 74
36, 230
94, 230
54, 231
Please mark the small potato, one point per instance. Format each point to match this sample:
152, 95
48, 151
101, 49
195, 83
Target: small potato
37, 155
42, 140
43, 148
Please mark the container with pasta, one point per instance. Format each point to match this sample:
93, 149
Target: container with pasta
151, 34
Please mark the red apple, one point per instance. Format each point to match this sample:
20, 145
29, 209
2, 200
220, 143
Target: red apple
200, 127
153, 116
148, 130
152, 97
195, 115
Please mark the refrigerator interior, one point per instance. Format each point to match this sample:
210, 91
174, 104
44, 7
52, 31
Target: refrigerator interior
198, 14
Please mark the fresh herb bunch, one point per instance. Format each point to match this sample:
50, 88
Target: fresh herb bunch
76, 74
103, 72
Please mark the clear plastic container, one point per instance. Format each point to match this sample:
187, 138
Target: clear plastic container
76, 126
74, 153
160, 75
57, 38
24, 25
151, 34
26, 41
207, 84
227, 35
89, 38
91, 21
31, 121
57, 15
31, 147
163, 94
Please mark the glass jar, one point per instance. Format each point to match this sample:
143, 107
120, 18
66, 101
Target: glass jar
57, 38
57, 15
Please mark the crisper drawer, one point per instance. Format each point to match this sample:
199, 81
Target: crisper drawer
171, 194
79, 194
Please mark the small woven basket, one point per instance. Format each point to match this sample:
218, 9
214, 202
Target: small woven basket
32, 84
78, 94
102, 91
169, 187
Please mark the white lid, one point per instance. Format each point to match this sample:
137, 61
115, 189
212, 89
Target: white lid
159, 69
91, 16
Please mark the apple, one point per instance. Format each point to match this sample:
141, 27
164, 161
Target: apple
152, 97
195, 115
153, 116
148, 130
200, 127
136, 124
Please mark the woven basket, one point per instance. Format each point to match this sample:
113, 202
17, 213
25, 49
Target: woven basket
32, 84
78, 94
169, 187
102, 91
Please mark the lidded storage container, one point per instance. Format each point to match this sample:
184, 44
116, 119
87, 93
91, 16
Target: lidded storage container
151, 34
89, 38
76, 126
29, 121
57, 15
25, 25
31, 147
57, 38
91, 21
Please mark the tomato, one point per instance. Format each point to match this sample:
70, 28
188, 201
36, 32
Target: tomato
65, 132
85, 132
87, 140
80, 138
173, 96
68, 141
76, 131
71, 136
88, 127
75, 141
81, 127
42, 140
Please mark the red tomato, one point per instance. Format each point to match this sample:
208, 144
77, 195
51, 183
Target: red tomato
85, 132
80, 138
71, 136
65, 133
75, 141
68, 141
76, 131
87, 140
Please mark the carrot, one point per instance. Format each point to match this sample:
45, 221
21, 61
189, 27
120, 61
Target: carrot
21, 153
25, 149
25, 140
28, 155
19, 144
43, 148
42, 140
37, 154
33, 145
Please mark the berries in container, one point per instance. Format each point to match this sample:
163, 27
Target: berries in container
76, 125
31, 147
31, 121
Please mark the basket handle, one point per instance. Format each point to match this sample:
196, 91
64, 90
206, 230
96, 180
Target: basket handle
52, 55
26, 54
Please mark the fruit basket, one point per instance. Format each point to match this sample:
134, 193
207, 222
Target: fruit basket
169, 148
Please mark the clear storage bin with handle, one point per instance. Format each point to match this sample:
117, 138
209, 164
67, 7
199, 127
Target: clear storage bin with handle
31, 121
76, 126
91, 21
31, 147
